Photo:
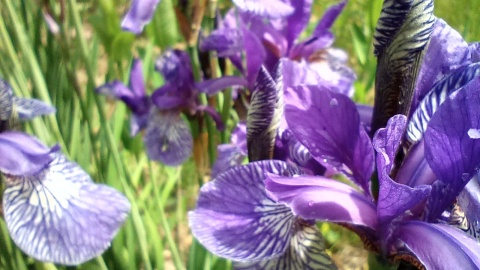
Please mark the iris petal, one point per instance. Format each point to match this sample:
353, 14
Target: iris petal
168, 138
28, 108
273, 9
234, 217
60, 215
139, 14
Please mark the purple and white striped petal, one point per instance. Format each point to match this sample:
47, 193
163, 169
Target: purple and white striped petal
452, 145
320, 198
29, 108
474, 49
438, 246
272, 9
59, 215
306, 251
139, 15
235, 219
6, 100
22, 154
328, 125
447, 50
168, 138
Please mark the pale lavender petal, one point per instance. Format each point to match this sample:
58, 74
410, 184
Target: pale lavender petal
29, 108
22, 154
475, 51
365, 112
52, 25
437, 95
59, 215
168, 138
306, 48
306, 251
394, 199
229, 155
320, 198
328, 125
273, 9
213, 86
469, 199
137, 83
446, 51
235, 219
239, 136
139, 14
452, 145
298, 73
438, 246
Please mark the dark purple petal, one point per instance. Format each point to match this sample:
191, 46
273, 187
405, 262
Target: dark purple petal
446, 51
175, 67
437, 95
117, 90
365, 112
213, 86
168, 138
264, 115
272, 39
452, 145
328, 125
59, 215
22, 154
137, 83
298, 20
320, 198
173, 100
438, 246
137, 123
255, 54
306, 251
394, 199
329, 18
28, 108
225, 42
236, 220
272, 9
139, 14
217, 118
415, 170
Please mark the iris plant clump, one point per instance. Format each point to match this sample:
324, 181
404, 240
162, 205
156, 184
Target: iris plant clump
404, 172
53, 210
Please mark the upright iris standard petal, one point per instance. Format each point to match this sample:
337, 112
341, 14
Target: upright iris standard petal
22, 154
446, 51
401, 37
328, 125
175, 67
264, 115
232, 154
28, 108
255, 54
297, 22
213, 86
168, 138
273, 9
394, 198
235, 219
306, 251
59, 215
139, 14
320, 198
137, 83
452, 146
438, 246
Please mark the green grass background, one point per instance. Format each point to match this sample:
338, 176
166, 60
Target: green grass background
64, 70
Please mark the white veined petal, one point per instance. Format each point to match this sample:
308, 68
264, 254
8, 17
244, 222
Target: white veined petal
60, 215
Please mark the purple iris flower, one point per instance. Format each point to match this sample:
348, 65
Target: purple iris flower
52, 208
265, 42
168, 138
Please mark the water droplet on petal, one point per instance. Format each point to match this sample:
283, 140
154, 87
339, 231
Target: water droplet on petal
310, 203
333, 102
474, 133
